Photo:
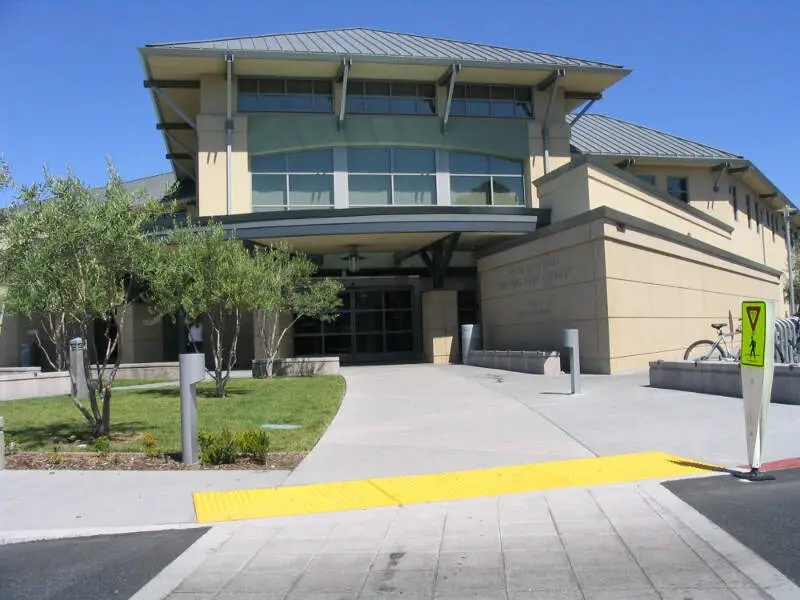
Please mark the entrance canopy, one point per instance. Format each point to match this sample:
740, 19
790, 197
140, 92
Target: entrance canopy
390, 229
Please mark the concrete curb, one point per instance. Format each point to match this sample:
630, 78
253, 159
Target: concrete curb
763, 574
36, 535
179, 569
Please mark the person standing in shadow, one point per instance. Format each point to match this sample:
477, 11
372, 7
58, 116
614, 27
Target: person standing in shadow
195, 336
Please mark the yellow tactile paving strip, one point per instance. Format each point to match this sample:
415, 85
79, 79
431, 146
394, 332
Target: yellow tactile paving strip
458, 485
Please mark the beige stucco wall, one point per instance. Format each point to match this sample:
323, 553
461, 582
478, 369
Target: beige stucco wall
211, 166
586, 187
633, 295
751, 241
440, 326
558, 140
663, 295
531, 293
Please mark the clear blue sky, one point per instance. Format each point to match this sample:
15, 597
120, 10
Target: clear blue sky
725, 73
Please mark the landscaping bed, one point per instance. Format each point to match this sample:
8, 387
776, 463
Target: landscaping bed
138, 461
50, 433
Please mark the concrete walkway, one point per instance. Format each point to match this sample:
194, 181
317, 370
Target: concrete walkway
414, 419
632, 542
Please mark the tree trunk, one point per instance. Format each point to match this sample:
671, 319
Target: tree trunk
107, 410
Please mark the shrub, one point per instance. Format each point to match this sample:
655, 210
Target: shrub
254, 443
150, 443
217, 448
102, 445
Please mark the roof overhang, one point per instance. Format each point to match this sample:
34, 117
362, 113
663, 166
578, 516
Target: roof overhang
184, 67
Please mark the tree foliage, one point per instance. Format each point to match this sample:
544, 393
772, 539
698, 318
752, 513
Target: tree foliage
284, 285
74, 257
202, 273
5, 174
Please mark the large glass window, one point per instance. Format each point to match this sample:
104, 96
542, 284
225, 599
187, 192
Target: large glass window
480, 180
295, 180
384, 176
292, 95
492, 101
391, 97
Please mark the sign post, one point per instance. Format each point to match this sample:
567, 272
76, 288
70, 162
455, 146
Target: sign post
758, 368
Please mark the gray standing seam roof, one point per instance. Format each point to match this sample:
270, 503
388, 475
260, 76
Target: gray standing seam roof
375, 42
602, 135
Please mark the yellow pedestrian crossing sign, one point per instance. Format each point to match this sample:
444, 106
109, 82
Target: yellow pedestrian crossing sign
754, 333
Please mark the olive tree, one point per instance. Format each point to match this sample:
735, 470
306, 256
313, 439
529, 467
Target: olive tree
204, 273
73, 257
285, 285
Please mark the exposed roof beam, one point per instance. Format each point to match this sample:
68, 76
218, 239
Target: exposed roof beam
166, 126
767, 196
739, 169
624, 164
188, 84
569, 95
344, 69
723, 166
187, 172
451, 86
173, 105
178, 156
345, 66
179, 143
551, 79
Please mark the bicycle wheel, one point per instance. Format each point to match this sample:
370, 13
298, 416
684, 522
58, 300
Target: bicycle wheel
703, 350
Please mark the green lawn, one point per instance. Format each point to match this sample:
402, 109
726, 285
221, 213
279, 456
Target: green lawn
308, 401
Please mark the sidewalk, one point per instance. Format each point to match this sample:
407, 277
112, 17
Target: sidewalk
616, 542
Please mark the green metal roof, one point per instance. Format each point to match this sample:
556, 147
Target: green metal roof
603, 135
385, 44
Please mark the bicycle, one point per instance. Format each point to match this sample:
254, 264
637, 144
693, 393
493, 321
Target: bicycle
715, 350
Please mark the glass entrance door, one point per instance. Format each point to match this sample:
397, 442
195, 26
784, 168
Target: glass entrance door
373, 325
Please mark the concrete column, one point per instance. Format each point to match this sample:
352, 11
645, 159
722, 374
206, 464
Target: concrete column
440, 326
285, 350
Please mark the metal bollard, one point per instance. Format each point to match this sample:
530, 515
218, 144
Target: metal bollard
572, 343
192, 369
80, 389
2, 445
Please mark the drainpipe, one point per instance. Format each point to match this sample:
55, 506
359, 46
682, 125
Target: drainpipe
545, 127
787, 212
229, 131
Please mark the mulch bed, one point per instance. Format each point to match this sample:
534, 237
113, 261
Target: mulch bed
137, 461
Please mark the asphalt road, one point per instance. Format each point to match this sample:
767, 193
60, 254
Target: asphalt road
91, 568
763, 516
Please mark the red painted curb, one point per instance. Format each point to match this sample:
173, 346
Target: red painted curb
777, 465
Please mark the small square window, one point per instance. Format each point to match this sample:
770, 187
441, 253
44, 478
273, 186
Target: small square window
678, 187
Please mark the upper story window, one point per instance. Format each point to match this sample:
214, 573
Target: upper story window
385, 176
492, 101
678, 187
734, 203
477, 179
649, 179
295, 180
290, 95
391, 98
749, 211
